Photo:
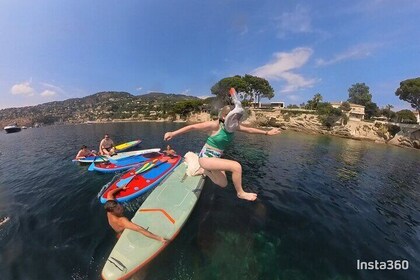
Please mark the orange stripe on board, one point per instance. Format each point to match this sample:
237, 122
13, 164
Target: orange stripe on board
172, 220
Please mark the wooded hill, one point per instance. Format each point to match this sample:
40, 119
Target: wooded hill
104, 106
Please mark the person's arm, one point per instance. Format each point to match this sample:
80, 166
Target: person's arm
111, 194
101, 145
130, 225
210, 125
252, 130
78, 156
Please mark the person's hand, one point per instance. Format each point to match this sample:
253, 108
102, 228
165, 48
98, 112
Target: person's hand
167, 136
273, 131
163, 240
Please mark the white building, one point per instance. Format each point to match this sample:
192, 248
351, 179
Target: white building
274, 105
417, 114
356, 113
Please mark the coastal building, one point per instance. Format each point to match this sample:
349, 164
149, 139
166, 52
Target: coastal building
356, 113
273, 105
417, 114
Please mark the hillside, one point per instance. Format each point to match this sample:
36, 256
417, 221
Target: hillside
101, 106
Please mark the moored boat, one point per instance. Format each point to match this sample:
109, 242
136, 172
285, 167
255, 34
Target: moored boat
12, 128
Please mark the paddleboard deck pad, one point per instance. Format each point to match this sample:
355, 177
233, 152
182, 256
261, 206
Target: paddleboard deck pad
164, 213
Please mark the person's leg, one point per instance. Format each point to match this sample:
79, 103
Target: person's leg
218, 177
215, 168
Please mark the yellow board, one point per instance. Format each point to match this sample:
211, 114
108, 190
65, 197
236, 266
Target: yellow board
128, 145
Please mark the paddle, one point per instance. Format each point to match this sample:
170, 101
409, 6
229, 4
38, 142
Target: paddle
140, 170
92, 165
111, 160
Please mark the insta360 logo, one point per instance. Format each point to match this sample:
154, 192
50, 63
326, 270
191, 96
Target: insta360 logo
383, 265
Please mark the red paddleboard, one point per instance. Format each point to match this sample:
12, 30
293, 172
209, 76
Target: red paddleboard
142, 178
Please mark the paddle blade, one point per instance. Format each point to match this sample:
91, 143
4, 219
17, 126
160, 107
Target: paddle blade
92, 166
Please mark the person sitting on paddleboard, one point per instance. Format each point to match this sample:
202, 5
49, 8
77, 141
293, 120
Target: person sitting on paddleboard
84, 152
210, 156
117, 220
107, 147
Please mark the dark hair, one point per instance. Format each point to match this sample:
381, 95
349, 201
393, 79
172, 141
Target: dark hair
110, 205
83, 146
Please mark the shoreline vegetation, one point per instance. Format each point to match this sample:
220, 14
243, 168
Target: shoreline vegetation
315, 117
378, 131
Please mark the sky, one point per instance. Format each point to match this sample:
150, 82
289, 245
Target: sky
55, 50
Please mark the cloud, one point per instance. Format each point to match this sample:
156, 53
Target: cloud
185, 92
48, 93
356, 52
205, 96
139, 88
23, 89
281, 66
297, 21
52, 87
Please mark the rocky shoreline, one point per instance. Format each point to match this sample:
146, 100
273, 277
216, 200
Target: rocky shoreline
378, 132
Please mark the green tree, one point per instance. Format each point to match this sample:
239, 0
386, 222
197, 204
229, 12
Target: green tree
345, 106
409, 91
371, 110
222, 87
406, 116
359, 94
328, 115
252, 86
185, 107
388, 113
257, 87
313, 103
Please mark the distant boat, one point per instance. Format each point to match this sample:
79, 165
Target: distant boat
12, 128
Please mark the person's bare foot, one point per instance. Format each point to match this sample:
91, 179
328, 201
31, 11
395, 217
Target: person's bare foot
247, 196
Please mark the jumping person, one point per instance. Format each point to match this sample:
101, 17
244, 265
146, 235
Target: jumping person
117, 220
210, 156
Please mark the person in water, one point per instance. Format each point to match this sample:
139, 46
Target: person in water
210, 156
169, 151
84, 152
107, 147
117, 220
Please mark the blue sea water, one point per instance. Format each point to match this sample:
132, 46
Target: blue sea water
323, 203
